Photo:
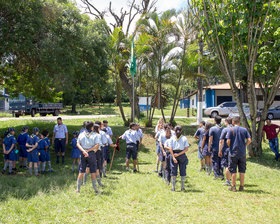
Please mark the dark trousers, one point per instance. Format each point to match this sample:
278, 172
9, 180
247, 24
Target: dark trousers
59, 145
168, 167
217, 167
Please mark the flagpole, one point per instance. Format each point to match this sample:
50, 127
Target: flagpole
133, 109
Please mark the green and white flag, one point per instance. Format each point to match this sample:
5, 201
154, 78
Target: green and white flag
133, 60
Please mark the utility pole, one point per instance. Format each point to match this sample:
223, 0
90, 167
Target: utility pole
200, 84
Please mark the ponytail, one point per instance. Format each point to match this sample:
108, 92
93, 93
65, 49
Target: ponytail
96, 128
178, 131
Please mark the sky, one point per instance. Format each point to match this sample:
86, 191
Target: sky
162, 5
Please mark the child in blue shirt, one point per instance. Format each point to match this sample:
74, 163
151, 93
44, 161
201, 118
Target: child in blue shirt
130, 136
9, 149
214, 140
204, 148
42, 150
45, 133
33, 157
22, 139
199, 135
76, 153
108, 129
106, 151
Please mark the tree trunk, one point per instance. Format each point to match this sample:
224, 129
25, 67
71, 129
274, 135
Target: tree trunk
74, 111
119, 99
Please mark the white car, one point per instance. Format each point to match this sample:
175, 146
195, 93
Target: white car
246, 109
223, 109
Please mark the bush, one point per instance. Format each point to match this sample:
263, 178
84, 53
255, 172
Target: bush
147, 123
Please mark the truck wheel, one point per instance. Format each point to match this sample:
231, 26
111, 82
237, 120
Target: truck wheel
33, 112
56, 113
43, 115
214, 114
16, 115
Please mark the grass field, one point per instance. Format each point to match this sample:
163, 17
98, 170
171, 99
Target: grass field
141, 197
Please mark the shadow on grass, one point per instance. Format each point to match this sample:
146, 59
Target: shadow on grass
255, 191
267, 159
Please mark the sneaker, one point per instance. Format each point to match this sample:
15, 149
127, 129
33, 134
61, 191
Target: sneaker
232, 188
104, 175
155, 171
227, 183
127, 168
26, 168
101, 185
159, 174
77, 192
241, 188
12, 173
221, 177
51, 171
134, 171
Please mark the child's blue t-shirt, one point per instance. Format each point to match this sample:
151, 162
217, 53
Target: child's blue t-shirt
74, 143
238, 137
216, 133
22, 138
42, 144
33, 139
199, 134
9, 140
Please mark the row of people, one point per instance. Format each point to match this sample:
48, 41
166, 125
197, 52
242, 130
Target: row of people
222, 148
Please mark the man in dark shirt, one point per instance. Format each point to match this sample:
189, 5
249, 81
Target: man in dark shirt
237, 139
272, 136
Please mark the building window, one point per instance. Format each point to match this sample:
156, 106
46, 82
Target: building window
277, 98
259, 97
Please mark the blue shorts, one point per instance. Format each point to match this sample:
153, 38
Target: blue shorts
6, 156
224, 161
12, 156
59, 145
131, 150
162, 158
99, 159
48, 156
106, 153
42, 155
199, 154
76, 153
89, 161
158, 148
182, 163
33, 156
205, 151
22, 151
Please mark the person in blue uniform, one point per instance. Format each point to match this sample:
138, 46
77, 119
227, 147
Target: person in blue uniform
204, 147
160, 131
167, 146
76, 153
21, 140
60, 139
88, 143
224, 149
199, 135
108, 129
106, 151
9, 149
6, 158
45, 133
99, 152
33, 156
237, 139
179, 147
163, 153
214, 141
130, 136
42, 150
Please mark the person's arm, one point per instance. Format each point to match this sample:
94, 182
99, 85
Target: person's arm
4, 148
249, 140
53, 136
228, 142
184, 151
172, 154
210, 143
82, 150
66, 135
13, 145
263, 136
94, 148
203, 143
33, 147
162, 148
221, 145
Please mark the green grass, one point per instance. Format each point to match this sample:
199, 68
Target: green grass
142, 197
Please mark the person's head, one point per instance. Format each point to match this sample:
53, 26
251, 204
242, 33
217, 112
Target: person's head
59, 121
89, 126
178, 131
165, 126
236, 120
160, 121
228, 121
137, 126
84, 124
41, 136
160, 126
201, 124
96, 128
104, 129
208, 125
99, 123
75, 134
105, 123
45, 133
11, 131
25, 129
170, 126
35, 131
168, 133
268, 121
218, 119
132, 126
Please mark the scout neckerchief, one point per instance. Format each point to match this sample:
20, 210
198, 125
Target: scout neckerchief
178, 139
33, 135
88, 134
